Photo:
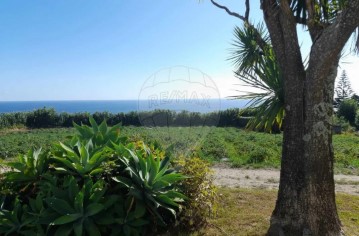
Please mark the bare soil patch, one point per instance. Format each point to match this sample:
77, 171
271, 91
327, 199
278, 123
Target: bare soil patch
269, 179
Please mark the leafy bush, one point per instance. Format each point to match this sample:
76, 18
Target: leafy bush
201, 193
343, 123
42, 118
9, 120
257, 156
235, 117
67, 120
47, 117
96, 183
347, 109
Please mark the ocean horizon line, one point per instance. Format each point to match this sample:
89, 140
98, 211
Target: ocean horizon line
108, 100
116, 106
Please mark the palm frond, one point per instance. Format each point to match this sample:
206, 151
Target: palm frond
246, 51
265, 76
326, 11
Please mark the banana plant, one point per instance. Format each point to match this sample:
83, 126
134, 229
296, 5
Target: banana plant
150, 181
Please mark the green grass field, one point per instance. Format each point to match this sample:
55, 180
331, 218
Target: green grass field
241, 148
239, 213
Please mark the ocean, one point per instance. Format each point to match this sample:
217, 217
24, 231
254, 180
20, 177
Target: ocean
117, 106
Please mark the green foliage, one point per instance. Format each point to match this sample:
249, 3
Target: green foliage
148, 180
46, 117
208, 143
236, 117
342, 122
26, 173
100, 135
15, 142
241, 148
201, 192
346, 152
42, 118
71, 209
326, 11
259, 155
19, 221
256, 66
11, 120
343, 89
357, 119
81, 159
348, 109
95, 183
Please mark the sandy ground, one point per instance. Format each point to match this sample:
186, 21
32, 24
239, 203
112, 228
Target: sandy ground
269, 179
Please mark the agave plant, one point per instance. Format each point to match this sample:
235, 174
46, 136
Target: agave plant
71, 209
101, 135
81, 159
19, 221
127, 218
150, 181
28, 167
25, 172
96, 183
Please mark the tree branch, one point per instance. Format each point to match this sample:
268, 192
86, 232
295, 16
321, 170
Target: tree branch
235, 14
246, 15
262, 44
314, 28
281, 25
333, 37
271, 13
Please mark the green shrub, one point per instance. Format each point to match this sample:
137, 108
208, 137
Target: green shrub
258, 155
9, 120
47, 117
42, 118
347, 109
343, 123
96, 183
201, 193
67, 120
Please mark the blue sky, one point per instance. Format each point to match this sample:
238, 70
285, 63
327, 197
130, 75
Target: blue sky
92, 49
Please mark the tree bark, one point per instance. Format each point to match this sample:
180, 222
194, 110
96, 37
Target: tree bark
306, 196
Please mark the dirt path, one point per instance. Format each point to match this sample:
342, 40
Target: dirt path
269, 179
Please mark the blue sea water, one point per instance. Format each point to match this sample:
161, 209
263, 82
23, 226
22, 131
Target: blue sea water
115, 106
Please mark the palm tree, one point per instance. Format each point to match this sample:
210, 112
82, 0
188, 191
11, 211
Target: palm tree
256, 66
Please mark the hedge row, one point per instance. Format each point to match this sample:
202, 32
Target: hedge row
48, 118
